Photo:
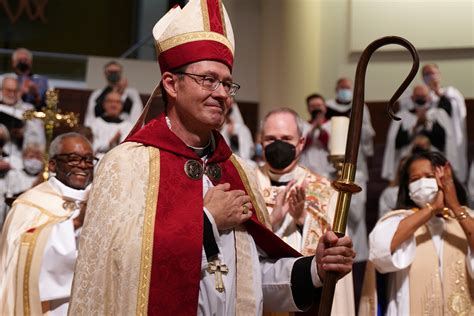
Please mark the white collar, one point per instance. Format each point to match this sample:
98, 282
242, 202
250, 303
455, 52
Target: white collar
285, 177
69, 192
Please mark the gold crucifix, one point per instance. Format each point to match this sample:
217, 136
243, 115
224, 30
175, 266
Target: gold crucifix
217, 268
51, 117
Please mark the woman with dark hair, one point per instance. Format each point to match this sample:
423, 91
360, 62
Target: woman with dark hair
428, 242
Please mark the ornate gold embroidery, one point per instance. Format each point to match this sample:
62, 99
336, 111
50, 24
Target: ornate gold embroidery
30, 239
192, 37
148, 228
41, 209
221, 9
248, 188
459, 302
205, 16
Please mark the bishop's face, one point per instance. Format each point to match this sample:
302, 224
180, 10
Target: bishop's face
198, 107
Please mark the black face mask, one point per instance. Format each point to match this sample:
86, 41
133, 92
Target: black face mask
315, 113
280, 154
22, 67
420, 101
113, 77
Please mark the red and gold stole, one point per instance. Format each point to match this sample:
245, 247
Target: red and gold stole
178, 233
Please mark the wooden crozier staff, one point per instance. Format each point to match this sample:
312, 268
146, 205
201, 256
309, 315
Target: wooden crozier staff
345, 184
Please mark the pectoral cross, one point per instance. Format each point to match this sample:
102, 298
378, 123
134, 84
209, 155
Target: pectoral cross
51, 117
217, 268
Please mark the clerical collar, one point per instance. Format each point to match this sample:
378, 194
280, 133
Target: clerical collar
206, 151
202, 152
281, 179
69, 192
111, 119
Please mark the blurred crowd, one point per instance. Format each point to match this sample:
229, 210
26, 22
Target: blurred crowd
290, 156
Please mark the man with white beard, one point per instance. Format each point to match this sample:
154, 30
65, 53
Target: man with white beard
11, 115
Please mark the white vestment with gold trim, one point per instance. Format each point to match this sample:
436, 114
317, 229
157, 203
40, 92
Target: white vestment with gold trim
113, 266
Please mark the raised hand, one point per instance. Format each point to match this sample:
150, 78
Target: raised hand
296, 203
281, 206
444, 177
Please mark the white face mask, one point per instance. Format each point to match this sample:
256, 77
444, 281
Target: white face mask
33, 166
423, 191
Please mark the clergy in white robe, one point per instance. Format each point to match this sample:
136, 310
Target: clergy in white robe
132, 103
428, 252
316, 132
341, 106
453, 102
109, 129
175, 225
38, 243
421, 119
237, 135
300, 203
13, 106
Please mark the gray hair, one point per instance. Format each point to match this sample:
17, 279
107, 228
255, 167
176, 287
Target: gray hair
8, 77
56, 145
32, 147
22, 50
298, 120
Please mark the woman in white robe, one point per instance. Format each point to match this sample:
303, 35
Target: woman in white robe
427, 244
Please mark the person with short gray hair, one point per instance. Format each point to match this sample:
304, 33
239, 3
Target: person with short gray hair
297, 199
33, 87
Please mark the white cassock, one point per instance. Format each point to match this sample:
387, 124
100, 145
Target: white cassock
315, 157
458, 119
129, 93
399, 262
34, 129
104, 131
388, 200
392, 155
18, 181
245, 141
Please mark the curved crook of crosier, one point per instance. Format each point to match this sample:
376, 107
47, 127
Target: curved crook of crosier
355, 124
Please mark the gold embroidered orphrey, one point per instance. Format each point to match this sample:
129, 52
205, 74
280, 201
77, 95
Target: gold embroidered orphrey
217, 268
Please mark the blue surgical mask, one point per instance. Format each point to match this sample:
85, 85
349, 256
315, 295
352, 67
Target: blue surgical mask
344, 95
258, 150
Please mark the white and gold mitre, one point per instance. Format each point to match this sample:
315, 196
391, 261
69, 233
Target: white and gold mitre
201, 30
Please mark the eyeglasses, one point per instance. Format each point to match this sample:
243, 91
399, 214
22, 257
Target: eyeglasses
211, 83
75, 160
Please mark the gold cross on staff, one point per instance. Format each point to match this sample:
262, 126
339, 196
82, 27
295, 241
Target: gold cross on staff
51, 117
217, 268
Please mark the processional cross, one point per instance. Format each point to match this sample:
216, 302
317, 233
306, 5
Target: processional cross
51, 117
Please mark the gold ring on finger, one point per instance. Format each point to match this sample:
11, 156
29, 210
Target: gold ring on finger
246, 210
